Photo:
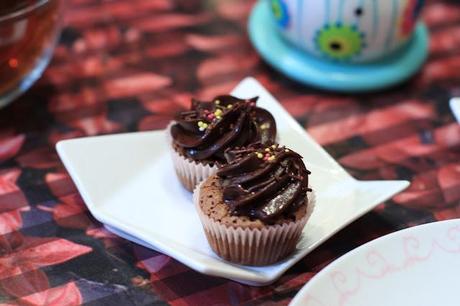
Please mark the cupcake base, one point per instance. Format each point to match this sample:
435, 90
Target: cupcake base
189, 172
255, 246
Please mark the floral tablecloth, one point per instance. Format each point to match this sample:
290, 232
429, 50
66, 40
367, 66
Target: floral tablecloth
125, 66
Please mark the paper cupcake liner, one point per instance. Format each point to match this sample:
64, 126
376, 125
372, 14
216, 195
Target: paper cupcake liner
255, 247
190, 173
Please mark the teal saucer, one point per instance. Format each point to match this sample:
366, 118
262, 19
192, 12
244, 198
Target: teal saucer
314, 71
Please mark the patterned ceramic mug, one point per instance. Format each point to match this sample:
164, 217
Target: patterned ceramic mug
347, 30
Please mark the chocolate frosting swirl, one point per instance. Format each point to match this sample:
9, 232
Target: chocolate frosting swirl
264, 182
209, 128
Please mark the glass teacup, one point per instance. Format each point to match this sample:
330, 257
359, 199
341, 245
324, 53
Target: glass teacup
28, 33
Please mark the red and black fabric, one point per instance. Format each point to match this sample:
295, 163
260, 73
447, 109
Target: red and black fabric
125, 66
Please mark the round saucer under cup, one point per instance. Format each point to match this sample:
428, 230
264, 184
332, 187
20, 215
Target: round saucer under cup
330, 74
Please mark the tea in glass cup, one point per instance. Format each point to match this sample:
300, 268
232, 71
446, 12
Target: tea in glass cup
28, 33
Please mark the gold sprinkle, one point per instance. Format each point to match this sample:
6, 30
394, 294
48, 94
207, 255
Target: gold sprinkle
229, 106
218, 112
267, 150
265, 126
286, 150
202, 125
260, 155
274, 146
271, 158
217, 102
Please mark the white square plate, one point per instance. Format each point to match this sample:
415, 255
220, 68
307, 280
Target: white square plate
128, 183
455, 106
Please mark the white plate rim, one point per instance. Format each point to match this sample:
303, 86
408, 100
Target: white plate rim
299, 298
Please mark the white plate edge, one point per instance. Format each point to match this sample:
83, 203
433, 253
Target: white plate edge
455, 107
296, 301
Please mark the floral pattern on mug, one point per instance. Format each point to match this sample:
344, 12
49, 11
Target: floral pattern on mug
280, 11
339, 42
387, 25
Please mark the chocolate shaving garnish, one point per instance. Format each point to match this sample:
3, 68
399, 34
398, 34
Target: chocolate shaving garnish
263, 182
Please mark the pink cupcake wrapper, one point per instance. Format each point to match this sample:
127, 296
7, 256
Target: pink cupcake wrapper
189, 172
253, 246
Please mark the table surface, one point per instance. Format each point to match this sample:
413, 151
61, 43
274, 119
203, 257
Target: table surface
125, 66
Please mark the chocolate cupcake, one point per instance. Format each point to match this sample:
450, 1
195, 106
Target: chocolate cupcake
199, 137
255, 207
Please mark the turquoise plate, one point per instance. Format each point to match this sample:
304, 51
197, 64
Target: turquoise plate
325, 74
